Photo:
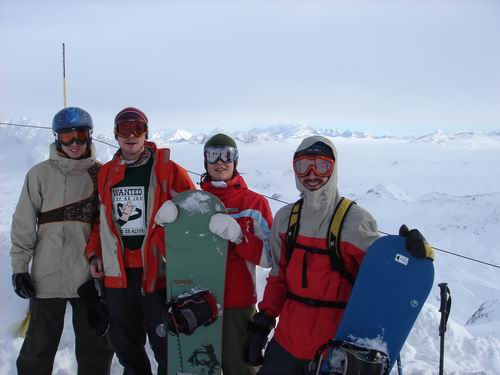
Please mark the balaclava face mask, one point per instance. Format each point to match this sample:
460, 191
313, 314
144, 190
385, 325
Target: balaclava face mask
328, 193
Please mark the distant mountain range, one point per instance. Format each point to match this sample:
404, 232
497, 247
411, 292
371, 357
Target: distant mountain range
284, 132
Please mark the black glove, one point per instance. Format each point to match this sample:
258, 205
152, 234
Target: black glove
259, 328
416, 243
97, 314
22, 285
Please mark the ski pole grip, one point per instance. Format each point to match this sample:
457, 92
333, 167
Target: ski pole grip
444, 309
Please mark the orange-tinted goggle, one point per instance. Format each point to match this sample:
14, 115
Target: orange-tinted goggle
321, 165
80, 136
136, 127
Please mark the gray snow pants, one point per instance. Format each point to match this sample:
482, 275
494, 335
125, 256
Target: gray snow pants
234, 340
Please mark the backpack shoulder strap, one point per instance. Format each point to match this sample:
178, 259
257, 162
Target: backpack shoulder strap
293, 228
334, 233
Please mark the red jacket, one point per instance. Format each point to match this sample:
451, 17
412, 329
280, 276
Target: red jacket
253, 213
167, 179
303, 329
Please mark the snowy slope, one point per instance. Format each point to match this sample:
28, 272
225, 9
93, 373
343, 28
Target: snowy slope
447, 185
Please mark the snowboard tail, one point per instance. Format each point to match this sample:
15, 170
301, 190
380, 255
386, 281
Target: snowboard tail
390, 290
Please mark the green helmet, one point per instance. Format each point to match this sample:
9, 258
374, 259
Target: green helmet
221, 141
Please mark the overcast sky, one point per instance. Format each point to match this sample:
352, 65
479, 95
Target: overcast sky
394, 67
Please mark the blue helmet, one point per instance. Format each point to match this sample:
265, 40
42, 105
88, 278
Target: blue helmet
72, 118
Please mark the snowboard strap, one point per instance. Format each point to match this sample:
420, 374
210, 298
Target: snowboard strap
186, 313
333, 239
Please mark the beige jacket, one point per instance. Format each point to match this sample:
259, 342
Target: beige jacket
51, 224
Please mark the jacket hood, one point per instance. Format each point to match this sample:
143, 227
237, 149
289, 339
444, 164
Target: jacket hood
71, 166
326, 195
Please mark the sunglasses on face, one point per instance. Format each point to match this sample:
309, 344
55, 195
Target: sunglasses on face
79, 136
321, 165
135, 127
225, 154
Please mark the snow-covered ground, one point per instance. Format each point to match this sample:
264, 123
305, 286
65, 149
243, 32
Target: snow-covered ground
447, 185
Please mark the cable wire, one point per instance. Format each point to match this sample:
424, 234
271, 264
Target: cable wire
25, 126
272, 198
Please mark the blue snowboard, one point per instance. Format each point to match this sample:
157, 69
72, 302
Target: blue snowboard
390, 290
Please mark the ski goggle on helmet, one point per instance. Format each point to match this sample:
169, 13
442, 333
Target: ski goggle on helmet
227, 154
127, 127
131, 121
321, 165
318, 158
80, 136
72, 124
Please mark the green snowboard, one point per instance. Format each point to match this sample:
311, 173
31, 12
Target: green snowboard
196, 259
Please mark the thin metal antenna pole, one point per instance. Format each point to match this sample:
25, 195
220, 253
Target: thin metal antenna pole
64, 74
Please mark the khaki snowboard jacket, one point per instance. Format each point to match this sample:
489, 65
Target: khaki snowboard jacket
52, 222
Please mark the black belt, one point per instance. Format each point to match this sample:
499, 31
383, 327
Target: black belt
317, 303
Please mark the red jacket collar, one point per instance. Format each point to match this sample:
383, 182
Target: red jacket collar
236, 183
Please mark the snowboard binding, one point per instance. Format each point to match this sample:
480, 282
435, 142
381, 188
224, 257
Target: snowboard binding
342, 358
189, 311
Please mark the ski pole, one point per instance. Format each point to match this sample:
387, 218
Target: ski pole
445, 312
400, 367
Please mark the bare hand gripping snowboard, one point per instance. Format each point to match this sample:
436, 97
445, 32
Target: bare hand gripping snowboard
196, 261
390, 290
